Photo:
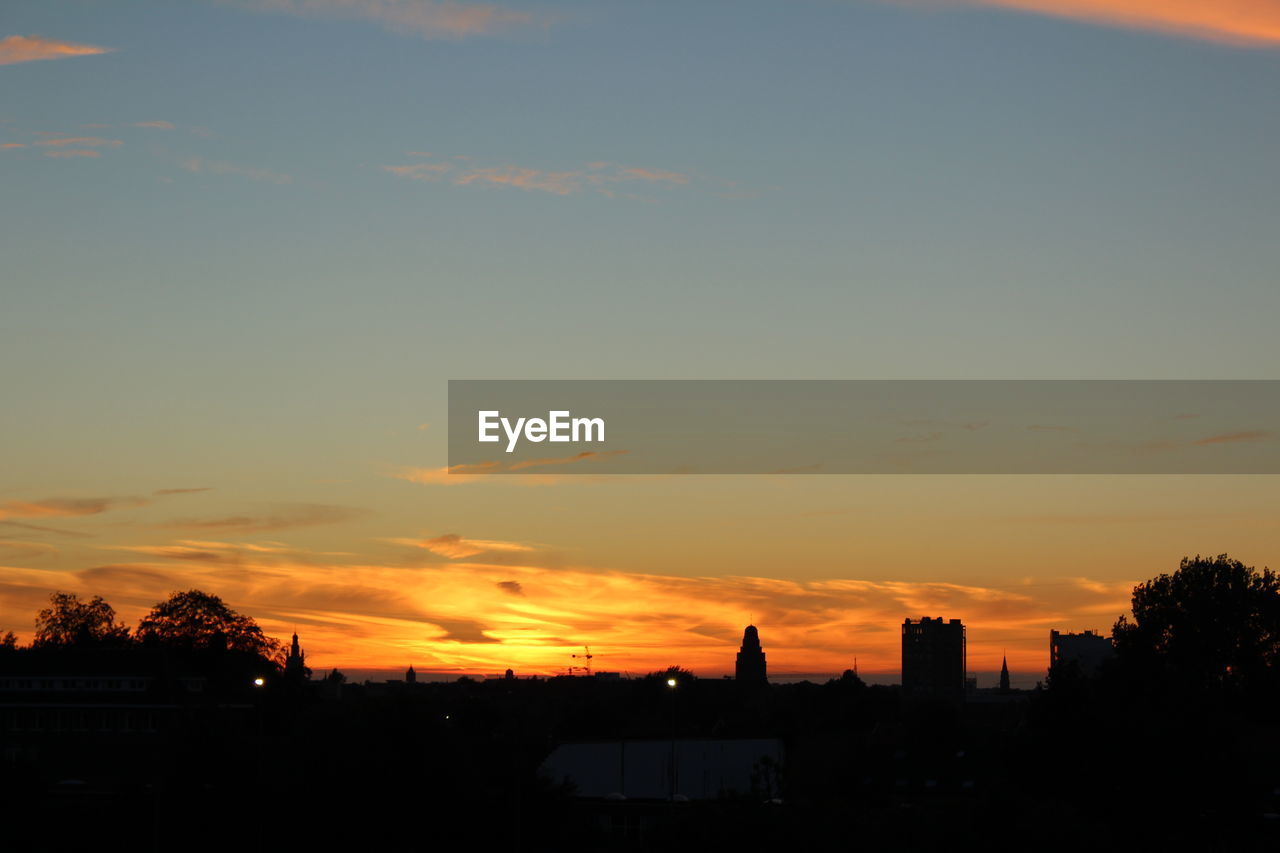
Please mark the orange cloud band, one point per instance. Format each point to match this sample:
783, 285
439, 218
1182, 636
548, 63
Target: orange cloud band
479, 617
1239, 22
15, 49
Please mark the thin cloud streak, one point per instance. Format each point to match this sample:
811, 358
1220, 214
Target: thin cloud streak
1245, 23
279, 517
426, 19
80, 142
17, 49
64, 507
600, 177
454, 547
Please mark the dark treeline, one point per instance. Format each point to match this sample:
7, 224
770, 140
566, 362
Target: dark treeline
222, 741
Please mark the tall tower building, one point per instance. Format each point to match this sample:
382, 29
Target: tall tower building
933, 658
751, 665
1004, 674
295, 665
410, 677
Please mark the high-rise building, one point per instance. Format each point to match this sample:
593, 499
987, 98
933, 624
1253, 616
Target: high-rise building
751, 664
933, 658
1087, 649
410, 677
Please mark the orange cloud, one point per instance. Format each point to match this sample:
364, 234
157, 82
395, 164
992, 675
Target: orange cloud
419, 171
15, 49
428, 19
11, 549
274, 518
483, 617
560, 183
1239, 22
80, 142
454, 547
54, 507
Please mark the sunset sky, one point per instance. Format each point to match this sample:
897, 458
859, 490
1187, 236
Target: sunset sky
245, 244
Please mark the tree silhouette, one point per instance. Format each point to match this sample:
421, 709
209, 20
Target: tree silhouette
199, 620
1212, 624
69, 622
680, 674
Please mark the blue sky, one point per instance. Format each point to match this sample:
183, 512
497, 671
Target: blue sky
295, 222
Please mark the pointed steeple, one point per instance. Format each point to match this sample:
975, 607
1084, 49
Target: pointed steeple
410, 676
295, 665
1004, 674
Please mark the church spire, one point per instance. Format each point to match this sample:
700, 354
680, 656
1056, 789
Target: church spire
1004, 674
295, 665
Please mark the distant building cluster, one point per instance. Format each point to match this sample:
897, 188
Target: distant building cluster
934, 659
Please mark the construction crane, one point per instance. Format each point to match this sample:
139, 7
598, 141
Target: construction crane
585, 656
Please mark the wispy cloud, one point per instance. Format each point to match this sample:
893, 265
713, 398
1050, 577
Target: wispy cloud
454, 547
73, 152
1253, 23
601, 177
200, 165
16, 49
1234, 437
63, 507
78, 142
427, 19
156, 125
275, 518
13, 549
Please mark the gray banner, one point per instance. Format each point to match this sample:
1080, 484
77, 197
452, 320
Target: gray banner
594, 427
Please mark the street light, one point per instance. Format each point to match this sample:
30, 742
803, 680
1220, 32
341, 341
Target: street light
259, 681
671, 682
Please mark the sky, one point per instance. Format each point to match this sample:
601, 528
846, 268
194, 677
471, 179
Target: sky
244, 245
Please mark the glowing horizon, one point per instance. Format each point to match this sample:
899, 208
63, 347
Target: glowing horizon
240, 270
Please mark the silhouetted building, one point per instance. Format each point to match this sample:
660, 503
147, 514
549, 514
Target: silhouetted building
410, 677
1088, 650
295, 665
1004, 674
750, 668
933, 658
